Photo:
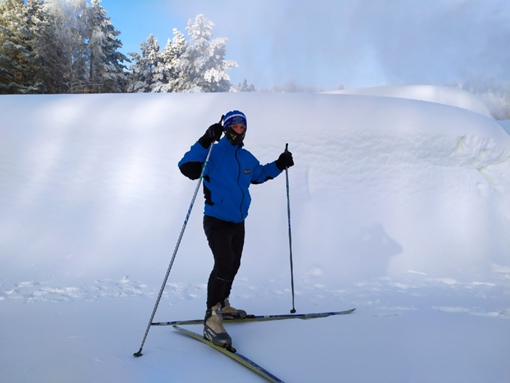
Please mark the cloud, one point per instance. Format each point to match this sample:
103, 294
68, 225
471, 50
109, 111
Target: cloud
438, 41
329, 42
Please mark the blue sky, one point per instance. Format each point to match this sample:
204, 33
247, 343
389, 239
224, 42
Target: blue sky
323, 44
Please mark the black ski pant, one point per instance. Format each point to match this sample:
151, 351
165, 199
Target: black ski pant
226, 240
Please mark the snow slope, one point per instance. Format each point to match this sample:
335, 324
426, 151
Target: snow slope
436, 94
400, 208
505, 125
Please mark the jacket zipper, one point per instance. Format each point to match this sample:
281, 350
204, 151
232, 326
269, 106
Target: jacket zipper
238, 182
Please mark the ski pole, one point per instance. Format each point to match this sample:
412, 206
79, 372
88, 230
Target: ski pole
290, 234
139, 352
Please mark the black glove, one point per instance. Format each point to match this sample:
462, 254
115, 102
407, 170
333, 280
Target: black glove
213, 133
285, 160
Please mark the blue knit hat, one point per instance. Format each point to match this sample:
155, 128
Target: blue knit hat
234, 117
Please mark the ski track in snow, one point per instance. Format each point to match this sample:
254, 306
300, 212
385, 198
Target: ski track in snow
486, 298
34, 291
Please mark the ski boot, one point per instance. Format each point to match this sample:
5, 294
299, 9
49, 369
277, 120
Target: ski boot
231, 312
214, 330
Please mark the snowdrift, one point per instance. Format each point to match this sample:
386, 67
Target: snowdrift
436, 94
381, 185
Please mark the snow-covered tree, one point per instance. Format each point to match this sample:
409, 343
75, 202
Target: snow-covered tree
162, 72
208, 72
71, 46
69, 23
494, 93
17, 57
105, 68
59, 46
143, 69
168, 74
197, 65
180, 64
245, 87
47, 53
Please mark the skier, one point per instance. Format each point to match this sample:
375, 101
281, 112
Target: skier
230, 171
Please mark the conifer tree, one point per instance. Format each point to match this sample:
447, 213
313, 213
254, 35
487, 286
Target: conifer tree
69, 22
168, 72
46, 77
105, 68
180, 65
17, 58
197, 65
207, 56
142, 71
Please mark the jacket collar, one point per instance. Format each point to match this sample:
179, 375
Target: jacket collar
225, 143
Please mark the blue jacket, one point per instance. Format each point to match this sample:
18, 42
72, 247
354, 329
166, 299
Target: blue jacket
230, 171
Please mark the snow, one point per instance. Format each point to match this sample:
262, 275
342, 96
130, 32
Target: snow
399, 207
436, 94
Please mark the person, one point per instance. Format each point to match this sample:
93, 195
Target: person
230, 171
